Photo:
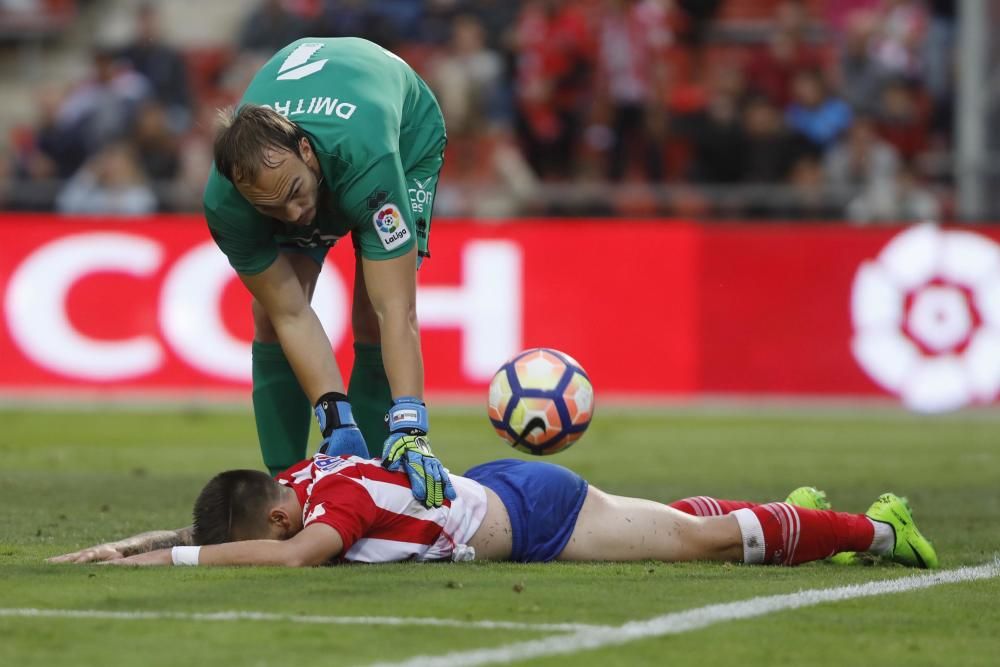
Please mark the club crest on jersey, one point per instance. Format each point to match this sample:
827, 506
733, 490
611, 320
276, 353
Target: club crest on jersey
391, 229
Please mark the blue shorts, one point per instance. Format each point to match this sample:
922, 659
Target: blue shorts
543, 501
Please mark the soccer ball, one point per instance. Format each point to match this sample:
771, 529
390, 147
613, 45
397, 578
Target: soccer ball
541, 401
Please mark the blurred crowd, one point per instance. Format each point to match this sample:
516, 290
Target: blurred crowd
812, 110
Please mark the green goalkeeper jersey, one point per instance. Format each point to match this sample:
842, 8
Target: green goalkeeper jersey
370, 120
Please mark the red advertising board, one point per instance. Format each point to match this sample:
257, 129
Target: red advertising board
649, 308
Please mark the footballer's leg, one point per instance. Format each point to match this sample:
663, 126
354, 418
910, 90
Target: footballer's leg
613, 527
708, 506
282, 411
368, 388
812, 498
804, 496
616, 528
784, 534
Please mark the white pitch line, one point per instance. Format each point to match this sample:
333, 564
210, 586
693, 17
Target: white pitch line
318, 620
693, 619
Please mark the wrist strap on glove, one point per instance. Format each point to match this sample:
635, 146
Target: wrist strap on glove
408, 415
333, 411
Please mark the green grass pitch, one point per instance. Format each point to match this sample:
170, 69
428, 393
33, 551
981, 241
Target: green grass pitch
68, 480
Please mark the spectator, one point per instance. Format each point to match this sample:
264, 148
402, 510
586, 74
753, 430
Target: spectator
903, 200
719, 142
898, 45
6, 181
556, 54
162, 65
54, 151
769, 150
101, 109
792, 17
580, 91
498, 18
347, 18
837, 16
195, 158
814, 113
383, 22
862, 160
860, 75
466, 78
773, 69
110, 182
699, 15
270, 27
901, 121
156, 146
939, 59
631, 79
435, 23
467, 81
808, 197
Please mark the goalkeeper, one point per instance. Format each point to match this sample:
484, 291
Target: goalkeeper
333, 136
337, 509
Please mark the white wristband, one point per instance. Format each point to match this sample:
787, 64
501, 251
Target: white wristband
185, 555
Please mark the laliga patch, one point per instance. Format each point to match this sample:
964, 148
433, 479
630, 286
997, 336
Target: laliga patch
391, 229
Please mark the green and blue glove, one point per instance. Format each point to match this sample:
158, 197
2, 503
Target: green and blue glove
407, 448
341, 435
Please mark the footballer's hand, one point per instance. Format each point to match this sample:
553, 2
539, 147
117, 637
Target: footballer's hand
407, 448
341, 435
95, 554
412, 454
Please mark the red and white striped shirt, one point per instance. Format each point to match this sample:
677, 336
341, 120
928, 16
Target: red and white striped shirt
375, 512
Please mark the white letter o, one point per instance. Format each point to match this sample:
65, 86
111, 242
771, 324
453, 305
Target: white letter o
36, 306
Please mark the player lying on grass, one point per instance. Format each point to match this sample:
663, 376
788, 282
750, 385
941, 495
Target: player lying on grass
351, 509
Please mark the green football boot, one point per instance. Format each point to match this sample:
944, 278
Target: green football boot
912, 548
809, 498
813, 499
851, 558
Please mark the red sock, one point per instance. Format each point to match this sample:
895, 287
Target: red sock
705, 506
783, 534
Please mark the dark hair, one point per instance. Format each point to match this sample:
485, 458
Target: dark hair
234, 502
244, 136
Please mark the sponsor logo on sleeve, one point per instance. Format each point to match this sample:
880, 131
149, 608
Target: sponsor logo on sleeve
376, 199
391, 229
421, 198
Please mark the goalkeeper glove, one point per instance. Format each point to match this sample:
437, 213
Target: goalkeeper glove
407, 448
341, 435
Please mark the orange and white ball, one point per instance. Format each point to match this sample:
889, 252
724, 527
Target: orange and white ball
541, 401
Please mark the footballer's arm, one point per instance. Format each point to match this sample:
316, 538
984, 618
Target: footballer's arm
314, 545
278, 290
392, 290
130, 546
